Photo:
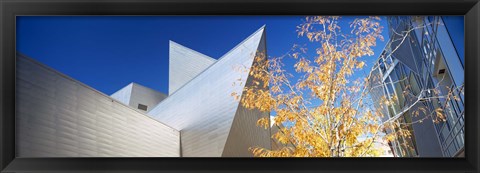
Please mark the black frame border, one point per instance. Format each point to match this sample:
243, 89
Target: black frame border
9, 9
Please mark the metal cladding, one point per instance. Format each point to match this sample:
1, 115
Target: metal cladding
203, 109
58, 116
136, 95
123, 95
184, 65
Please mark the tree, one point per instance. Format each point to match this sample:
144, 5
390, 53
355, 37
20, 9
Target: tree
327, 111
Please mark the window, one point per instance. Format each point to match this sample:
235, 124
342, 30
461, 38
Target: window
142, 107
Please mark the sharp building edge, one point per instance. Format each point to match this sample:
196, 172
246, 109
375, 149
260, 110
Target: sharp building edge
139, 97
203, 109
244, 132
184, 65
58, 116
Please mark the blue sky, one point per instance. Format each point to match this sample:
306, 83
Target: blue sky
109, 52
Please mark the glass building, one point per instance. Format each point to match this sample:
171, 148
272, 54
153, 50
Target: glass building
422, 70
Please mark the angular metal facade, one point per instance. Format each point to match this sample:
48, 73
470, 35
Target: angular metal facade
57, 116
123, 95
244, 132
185, 64
135, 94
203, 109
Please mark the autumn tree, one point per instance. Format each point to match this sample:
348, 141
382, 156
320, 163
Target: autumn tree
325, 109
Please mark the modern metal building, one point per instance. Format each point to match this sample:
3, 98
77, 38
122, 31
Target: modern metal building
57, 116
424, 62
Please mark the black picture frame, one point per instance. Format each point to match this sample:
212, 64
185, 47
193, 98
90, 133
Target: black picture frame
9, 9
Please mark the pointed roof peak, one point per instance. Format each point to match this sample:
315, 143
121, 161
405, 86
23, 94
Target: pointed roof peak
173, 42
258, 31
262, 28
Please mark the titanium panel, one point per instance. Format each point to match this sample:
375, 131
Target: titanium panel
184, 65
245, 133
134, 94
203, 109
145, 96
57, 116
123, 95
273, 130
276, 145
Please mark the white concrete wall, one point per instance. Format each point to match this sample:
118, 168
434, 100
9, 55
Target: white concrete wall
57, 116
